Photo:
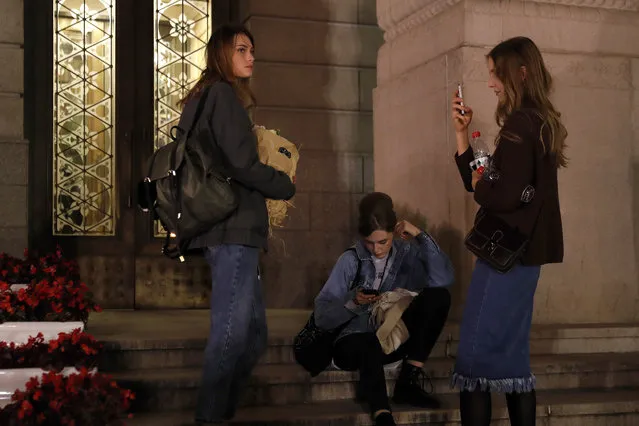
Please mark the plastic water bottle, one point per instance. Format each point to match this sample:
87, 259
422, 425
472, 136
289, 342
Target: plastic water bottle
481, 153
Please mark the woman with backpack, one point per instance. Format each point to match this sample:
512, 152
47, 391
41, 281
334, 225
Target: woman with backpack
238, 334
518, 196
379, 264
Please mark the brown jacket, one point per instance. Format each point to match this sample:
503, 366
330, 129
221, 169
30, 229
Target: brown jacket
518, 164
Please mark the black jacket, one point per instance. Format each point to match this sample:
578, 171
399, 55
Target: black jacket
225, 121
521, 163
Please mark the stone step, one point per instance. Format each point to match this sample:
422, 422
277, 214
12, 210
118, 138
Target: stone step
564, 408
176, 339
580, 338
129, 330
190, 353
286, 384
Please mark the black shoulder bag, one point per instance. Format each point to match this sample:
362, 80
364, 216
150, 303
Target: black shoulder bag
496, 242
313, 347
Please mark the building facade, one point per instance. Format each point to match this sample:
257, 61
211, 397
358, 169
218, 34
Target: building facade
92, 91
89, 87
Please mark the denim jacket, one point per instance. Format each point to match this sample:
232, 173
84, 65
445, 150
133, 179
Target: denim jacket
416, 264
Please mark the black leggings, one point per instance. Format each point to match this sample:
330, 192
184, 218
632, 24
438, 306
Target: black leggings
424, 319
476, 408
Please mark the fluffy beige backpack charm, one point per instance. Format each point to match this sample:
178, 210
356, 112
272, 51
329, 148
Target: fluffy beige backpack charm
283, 155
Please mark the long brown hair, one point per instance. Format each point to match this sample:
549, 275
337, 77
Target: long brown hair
219, 65
509, 57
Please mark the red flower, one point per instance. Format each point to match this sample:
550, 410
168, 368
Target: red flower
94, 398
18, 396
55, 405
54, 345
55, 291
87, 350
32, 384
25, 409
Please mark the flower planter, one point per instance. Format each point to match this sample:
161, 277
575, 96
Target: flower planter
19, 332
16, 287
43, 326
16, 379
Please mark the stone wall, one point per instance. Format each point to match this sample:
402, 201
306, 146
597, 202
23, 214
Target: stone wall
592, 51
14, 149
315, 72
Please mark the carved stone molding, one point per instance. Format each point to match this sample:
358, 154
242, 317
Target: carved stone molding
396, 17
629, 5
568, 70
390, 12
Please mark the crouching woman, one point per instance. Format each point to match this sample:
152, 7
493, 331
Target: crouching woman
380, 264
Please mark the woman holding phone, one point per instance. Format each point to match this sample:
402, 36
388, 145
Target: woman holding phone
379, 263
519, 189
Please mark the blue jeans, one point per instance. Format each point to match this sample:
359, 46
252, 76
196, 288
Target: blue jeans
238, 334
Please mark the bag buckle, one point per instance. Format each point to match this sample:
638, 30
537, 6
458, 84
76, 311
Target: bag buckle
494, 239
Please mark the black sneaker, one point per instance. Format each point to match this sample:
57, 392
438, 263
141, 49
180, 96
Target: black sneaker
409, 388
385, 419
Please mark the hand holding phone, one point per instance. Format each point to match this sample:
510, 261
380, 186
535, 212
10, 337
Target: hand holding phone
461, 96
366, 296
462, 115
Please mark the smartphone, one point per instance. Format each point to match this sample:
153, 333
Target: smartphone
370, 292
460, 95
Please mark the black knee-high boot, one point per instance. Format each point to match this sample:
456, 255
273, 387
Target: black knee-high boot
475, 408
522, 408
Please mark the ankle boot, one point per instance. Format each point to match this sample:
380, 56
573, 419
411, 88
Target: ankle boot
409, 388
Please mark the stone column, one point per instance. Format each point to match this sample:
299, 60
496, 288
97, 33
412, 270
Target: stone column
592, 50
14, 156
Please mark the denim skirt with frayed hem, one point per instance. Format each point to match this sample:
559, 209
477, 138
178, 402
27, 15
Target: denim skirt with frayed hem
494, 341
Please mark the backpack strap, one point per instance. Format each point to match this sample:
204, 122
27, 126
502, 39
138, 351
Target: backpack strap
181, 135
191, 117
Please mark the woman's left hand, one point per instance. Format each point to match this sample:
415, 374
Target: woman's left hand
405, 230
476, 178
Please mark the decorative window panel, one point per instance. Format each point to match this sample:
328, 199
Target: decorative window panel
84, 196
182, 30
